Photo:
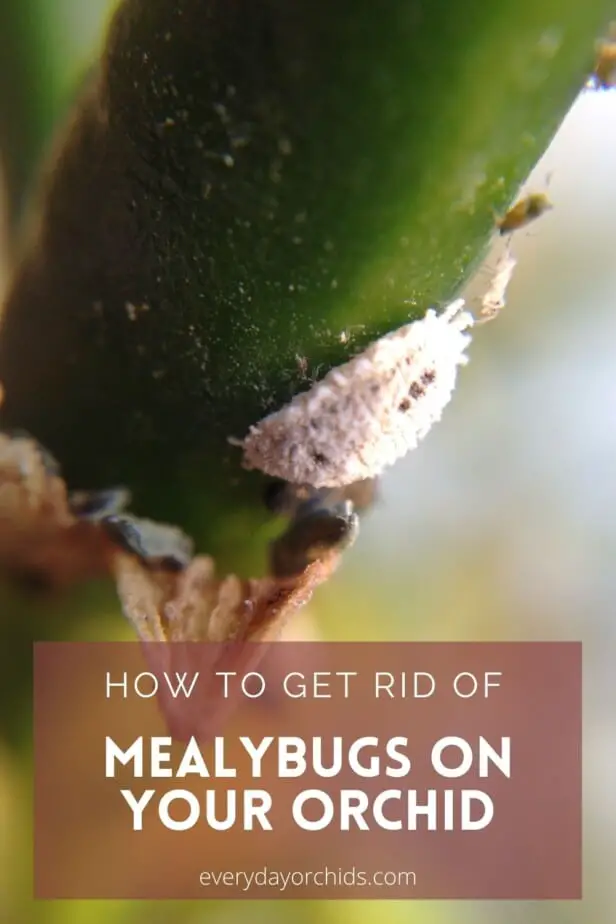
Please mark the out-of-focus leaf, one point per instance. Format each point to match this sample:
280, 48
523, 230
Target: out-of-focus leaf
37, 70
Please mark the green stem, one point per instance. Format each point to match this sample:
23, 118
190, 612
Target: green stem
257, 186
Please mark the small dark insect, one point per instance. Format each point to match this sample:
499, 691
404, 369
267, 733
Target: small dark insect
523, 212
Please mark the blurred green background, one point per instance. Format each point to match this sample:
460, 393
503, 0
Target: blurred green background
502, 525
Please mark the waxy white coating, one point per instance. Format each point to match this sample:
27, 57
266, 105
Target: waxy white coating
366, 414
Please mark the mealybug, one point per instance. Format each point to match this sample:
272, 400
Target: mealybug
366, 414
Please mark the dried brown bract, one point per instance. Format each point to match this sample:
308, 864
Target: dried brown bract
56, 537
40, 536
194, 605
159, 544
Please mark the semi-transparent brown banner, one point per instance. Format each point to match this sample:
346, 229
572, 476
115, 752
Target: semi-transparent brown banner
308, 770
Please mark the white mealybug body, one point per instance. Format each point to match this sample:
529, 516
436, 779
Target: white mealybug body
366, 414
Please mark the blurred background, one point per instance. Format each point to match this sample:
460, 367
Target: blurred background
501, 526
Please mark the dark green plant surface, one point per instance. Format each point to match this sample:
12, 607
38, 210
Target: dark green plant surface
24, 101
251, 192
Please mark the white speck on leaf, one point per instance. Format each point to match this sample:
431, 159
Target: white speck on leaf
133, 311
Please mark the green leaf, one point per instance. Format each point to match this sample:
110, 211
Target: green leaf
257, 187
